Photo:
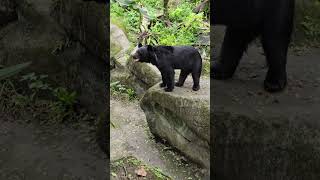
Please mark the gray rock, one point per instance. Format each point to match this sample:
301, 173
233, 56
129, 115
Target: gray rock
182, 118
120, 46
147, 74
258, 135
86, 22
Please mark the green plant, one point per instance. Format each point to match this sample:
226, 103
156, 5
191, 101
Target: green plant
131, 93
159, 174
35, 83
66, 98
311, 27
117, 89
181, 27
307, 24
62, 109
180, 13
133, 13
206, 67
18, 101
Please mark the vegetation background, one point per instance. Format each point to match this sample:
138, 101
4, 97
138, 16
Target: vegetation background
307, 23
172, 23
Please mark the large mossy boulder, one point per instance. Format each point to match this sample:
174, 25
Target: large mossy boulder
85, 21
139, 76
65, 39
182, 118
7, 12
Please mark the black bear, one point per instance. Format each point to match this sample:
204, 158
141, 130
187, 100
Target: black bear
169, 58
247, 19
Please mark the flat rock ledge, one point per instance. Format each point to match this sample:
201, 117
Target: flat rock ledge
182, 118
258, 135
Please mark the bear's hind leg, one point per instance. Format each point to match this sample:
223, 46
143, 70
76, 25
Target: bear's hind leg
276, 54
196, 80
234, 44
164, 81
275, 40
182, 78
169, 80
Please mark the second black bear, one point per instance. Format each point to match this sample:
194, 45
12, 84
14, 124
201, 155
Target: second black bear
246, 20
169, 58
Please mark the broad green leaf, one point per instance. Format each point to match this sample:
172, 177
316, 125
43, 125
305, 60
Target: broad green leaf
12, 70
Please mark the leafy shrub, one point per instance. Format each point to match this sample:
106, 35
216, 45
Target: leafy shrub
307, 23
181, 12
125, 18
66, 98
117, 89
311, 26
184, 31
181, 28
35, 84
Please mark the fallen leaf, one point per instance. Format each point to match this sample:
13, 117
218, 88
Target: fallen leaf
141, 172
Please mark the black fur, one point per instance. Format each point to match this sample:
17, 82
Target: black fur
169, 58
247, 19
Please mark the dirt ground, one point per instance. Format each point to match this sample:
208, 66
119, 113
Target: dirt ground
29, 151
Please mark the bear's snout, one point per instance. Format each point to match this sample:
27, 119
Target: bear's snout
135, 57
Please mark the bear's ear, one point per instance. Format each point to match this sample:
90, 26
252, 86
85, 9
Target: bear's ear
139, 45
149, 48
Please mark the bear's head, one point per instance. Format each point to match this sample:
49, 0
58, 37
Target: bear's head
144, 54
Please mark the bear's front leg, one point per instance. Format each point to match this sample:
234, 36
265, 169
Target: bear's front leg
169, 80
234, 44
